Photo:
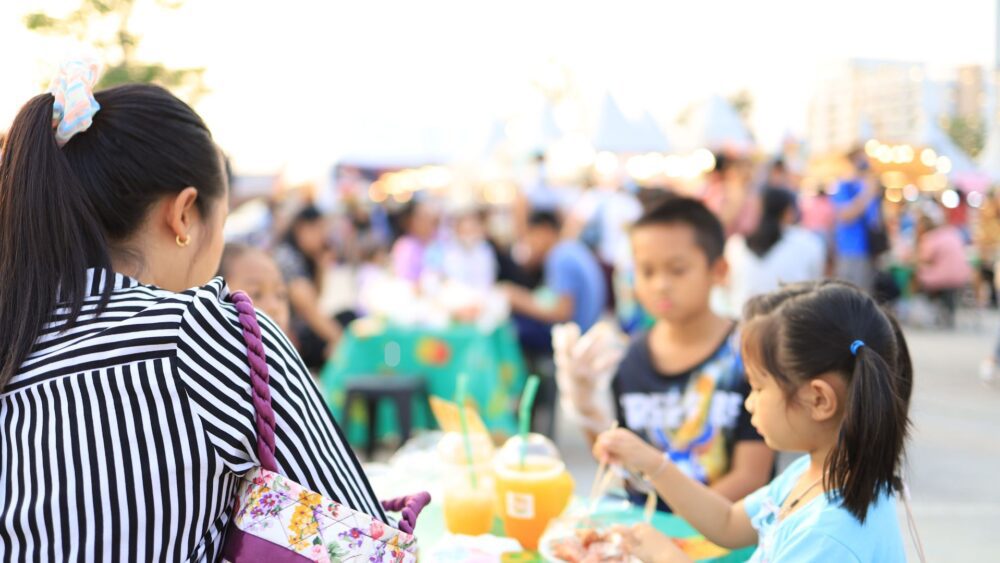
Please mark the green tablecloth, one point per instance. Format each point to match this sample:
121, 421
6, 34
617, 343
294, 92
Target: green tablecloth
492, 361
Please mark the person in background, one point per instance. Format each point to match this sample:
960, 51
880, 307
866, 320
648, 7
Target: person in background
303, 258
778, 176
858, 205
776, 253
680, 385
572, 276
468, 258
254, 272
727, 193
419, 224
607, 211
819, 217
986, 236
942, 266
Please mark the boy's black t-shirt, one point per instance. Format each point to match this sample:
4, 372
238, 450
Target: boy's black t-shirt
696, 416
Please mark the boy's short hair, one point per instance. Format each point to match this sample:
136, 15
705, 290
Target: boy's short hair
544, 219
677, 210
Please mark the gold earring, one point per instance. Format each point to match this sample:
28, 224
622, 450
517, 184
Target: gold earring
183, 242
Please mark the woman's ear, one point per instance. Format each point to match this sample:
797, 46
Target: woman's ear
820, 396
181, 212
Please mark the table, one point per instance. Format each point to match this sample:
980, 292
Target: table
492, 361
431, 531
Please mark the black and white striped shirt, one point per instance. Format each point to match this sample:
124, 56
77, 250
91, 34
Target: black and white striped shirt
122, 439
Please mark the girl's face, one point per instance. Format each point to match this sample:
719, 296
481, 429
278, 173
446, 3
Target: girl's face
778, 418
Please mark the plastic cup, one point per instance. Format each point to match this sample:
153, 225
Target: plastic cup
531, 495
467, 510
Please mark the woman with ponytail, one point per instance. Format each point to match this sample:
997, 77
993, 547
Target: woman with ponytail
830, 375
125, 411
777, 252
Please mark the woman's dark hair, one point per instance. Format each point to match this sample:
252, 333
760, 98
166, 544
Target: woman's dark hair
775, 202
63, 210
807, 330
308, 214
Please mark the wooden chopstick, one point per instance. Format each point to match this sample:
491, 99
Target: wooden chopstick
600, 479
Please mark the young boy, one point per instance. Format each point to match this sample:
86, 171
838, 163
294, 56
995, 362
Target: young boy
681, 385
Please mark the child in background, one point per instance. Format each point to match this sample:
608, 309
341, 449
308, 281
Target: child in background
831, 375
680, 385
254, 272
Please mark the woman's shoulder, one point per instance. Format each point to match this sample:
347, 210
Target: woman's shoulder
213, 314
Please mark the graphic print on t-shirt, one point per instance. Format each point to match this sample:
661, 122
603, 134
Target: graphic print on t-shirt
693, 417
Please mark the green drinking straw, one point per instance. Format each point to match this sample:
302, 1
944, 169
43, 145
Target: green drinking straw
463, 382
524, 416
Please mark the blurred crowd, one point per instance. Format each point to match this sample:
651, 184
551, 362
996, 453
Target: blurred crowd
562, 253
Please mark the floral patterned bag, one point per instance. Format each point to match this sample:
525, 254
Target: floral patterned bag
278, 521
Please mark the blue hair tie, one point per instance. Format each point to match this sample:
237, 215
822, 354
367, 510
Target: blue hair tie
855, 346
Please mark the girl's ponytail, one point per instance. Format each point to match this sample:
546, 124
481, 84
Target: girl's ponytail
48, 235
875, 414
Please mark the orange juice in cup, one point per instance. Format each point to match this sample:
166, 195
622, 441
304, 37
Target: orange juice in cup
468, 507
532, 493
469, 511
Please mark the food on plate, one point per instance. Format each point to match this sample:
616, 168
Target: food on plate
588, 545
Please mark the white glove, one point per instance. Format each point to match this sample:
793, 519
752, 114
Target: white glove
585, 366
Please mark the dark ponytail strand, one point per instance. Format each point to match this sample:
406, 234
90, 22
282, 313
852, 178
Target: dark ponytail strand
48, 235
875, 414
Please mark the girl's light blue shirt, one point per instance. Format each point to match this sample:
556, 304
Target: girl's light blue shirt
821, 530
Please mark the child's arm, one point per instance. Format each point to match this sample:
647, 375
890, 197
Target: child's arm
716, 517
751, 466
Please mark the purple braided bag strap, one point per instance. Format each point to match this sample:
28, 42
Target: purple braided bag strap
409, 506
259, 381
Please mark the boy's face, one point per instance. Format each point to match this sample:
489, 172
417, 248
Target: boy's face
673, 278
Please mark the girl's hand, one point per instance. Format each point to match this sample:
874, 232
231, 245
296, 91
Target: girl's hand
650, 546
621, 447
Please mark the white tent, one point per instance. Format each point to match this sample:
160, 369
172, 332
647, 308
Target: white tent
715, 124
618, 134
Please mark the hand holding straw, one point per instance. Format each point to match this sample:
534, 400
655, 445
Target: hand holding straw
463, 382
524, 414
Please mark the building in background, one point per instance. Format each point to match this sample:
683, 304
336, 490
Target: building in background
896, 101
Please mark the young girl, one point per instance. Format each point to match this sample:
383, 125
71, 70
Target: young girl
830, 375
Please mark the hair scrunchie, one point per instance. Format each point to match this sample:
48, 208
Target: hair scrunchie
74, 107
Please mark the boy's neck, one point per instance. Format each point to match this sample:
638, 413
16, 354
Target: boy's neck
694, 329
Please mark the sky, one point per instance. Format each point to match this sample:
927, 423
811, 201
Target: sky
298, 83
